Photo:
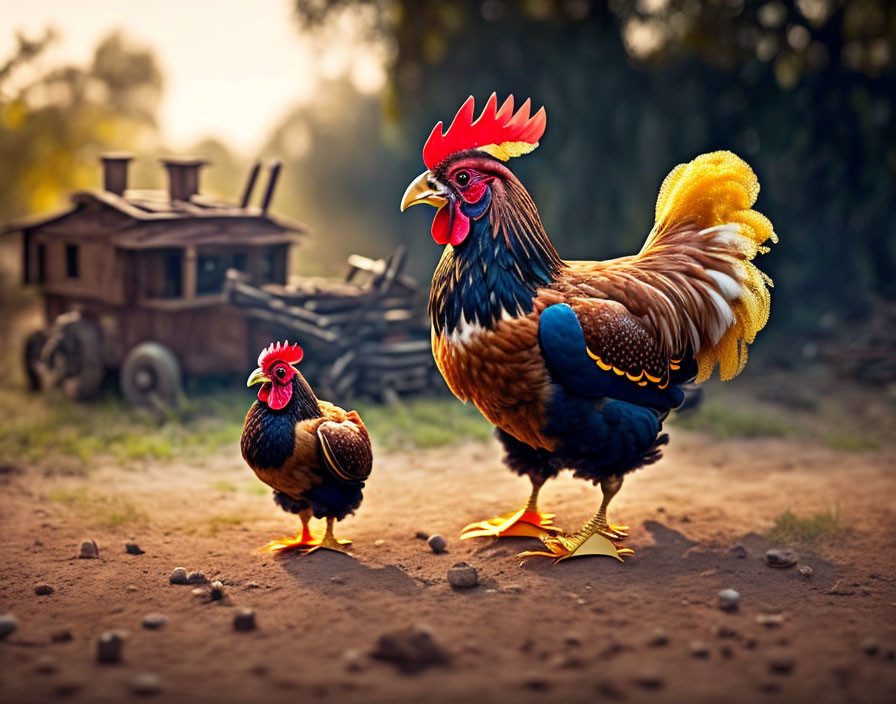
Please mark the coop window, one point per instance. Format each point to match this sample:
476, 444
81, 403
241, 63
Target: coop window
71, 261
173, 274
212, 270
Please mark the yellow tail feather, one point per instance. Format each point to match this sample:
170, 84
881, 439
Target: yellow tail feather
720, 189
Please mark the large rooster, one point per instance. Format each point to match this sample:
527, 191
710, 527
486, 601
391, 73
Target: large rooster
579, 363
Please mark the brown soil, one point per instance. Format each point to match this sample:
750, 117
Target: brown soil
578, 631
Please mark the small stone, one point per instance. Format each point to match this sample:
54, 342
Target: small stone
146, 683
109, 646
870, 646
199, 591
379, 542
739, 551
421, 535
353, 660
337, 579
723, 631
437, 543
43, 589
196, 578
728, 600
410, 649
216, 590
244, 620
699, 649
252, 585
658, 638
46, 665
806, 571
63, 635
780, 662
154, 621
649, 679
133, 549
781, 558
463, 576
132, 588
89, 550
770, 620
573, 639
178, 576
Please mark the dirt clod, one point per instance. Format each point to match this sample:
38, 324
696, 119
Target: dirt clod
780, 662
43, 589
216, 591
63, 635
244, 620
870, 646
437, 543
109, 647
46, 665
89, 550
770, 620
739, 551
658, 638
649, 679
410, 649
463, 576
196, 578
806, 571
133, 549
781, 558
421, 535
178, 576
699, 649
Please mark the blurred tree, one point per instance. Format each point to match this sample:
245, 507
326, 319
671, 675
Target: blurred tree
803, 89
54, 122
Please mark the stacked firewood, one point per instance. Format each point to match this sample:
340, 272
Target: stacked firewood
363, 336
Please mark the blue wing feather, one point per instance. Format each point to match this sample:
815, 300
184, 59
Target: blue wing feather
563, 345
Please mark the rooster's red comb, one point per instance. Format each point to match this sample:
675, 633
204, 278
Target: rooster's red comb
279, 352
499, 132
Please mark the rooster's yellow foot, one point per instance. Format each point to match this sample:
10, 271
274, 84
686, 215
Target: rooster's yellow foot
302, 543
562, 547
526, 523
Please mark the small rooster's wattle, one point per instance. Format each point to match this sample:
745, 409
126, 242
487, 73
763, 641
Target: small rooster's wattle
579, 363
314, 455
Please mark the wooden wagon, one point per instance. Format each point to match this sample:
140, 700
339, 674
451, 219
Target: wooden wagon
151, 285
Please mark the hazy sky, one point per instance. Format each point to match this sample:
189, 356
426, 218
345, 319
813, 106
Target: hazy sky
232, 67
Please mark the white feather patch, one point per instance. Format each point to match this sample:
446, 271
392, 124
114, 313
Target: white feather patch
730, 289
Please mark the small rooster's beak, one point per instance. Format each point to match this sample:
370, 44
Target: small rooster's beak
258, 377
424, 189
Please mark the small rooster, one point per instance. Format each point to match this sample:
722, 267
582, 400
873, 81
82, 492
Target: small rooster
579, 363
314, 455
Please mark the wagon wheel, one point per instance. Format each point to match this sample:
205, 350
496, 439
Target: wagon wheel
150, 377
34, 345
72, 359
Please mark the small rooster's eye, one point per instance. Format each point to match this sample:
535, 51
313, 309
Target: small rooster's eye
281, 373
462, 178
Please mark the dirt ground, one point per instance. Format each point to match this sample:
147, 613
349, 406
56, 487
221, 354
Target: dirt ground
579, 631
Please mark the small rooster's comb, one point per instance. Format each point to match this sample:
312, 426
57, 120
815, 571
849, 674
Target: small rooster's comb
279, 352
499, 132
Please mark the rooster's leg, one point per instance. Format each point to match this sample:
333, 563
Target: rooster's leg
526, 522
594, 538
304, 541
330, 541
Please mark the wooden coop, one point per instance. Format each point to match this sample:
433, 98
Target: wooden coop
152, 285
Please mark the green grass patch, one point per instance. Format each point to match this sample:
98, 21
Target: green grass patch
725, 422
107, 510
790, 529
226, 487
850, 442
216, 524
425, 423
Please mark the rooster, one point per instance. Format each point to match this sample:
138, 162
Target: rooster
314, 455
578, 363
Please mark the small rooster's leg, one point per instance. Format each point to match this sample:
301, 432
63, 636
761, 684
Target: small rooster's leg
527, 522
304, 541
594, 538
330, 541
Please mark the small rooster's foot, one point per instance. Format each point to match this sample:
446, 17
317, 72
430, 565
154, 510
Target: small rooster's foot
330, 541
527, 523
562, 547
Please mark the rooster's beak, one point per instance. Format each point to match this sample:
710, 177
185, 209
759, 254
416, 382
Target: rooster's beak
258, 377
424, 189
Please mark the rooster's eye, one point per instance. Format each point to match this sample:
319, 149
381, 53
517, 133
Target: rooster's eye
281, 373
462, 178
